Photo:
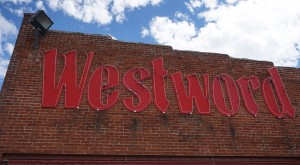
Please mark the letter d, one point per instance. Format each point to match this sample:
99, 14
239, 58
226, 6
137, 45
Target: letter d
283, 99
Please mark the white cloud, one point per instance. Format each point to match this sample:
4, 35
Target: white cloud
254, 29
113, 37
3, 67
9, 47
178, 34
182, 16
155, 2
210, 3
19, 7
193, 4
119, 6
17, 1
99, 11
145, 32
40, 5
19, 11
86, 11
7, 29
231, 1
53, 4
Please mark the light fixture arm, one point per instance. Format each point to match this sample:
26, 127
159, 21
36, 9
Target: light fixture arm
36, 38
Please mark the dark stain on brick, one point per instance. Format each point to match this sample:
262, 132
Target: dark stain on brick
183, 137
289, 144
297, 110
184, 118
211, 128
99, 120
187, 137
60, 128
1, 132
292, 147
164, 118
206, 124
134, 125
232, 130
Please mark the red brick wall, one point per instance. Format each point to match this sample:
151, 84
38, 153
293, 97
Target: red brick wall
26, 127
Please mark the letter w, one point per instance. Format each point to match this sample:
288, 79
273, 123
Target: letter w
196, 95
68, 79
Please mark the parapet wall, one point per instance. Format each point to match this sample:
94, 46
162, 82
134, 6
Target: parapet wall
26, 126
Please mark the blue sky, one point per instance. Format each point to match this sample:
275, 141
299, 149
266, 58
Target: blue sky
265, 30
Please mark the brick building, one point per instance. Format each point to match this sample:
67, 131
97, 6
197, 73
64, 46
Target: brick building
127, 106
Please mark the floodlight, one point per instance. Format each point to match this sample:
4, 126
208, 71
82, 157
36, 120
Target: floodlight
41, 22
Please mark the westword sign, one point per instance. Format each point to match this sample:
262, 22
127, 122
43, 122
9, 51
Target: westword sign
273, 89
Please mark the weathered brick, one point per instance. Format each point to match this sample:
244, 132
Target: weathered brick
26, 127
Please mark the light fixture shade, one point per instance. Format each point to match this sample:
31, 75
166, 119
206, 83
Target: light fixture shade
41, 21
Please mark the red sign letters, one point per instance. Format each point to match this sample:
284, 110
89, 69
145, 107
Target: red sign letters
274, 93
